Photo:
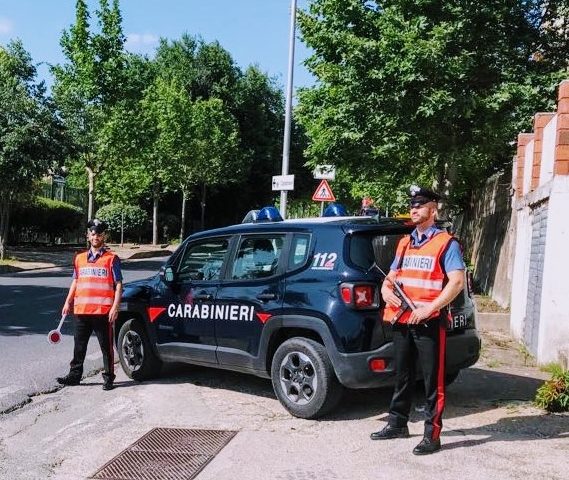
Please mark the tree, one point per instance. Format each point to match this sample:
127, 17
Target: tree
127, 178
259, 110
214, 158
431, 90
166, 116
192, 142
90, 84
31, 138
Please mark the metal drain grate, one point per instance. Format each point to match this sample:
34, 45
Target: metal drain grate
166, 454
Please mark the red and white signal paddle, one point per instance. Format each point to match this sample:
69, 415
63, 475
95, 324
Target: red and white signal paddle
54, 336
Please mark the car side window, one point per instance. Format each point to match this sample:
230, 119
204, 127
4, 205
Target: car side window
298, 250
257, 257
203, 260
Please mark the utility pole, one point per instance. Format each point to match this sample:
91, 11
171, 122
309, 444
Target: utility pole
288, 105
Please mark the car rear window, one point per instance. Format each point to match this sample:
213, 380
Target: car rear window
368, 248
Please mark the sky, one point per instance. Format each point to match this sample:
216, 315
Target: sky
252, 31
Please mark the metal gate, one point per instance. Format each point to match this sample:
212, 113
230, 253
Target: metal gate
535, 280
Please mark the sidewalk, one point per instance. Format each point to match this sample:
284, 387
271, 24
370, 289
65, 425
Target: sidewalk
38, 257
491, 428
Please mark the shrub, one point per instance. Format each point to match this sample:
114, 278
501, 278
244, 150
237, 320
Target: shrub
45, 216
302, 209
553, 395
134, 220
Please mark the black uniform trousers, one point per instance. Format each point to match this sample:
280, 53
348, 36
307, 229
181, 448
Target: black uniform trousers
85, 325
427, 343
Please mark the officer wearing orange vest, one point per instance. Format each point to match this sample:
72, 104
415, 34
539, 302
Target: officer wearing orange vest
95, 294
428, 266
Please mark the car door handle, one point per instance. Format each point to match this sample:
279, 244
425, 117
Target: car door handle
204, 296
267, 296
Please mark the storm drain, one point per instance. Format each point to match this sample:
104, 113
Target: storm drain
166, 454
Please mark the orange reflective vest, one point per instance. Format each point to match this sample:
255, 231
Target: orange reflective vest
420, 274
95, 289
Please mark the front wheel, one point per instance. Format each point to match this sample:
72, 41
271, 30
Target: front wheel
136, 356
304, 379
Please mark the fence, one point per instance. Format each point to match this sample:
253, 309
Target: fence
55, 188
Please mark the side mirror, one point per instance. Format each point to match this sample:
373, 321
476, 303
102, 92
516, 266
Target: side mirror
167, 274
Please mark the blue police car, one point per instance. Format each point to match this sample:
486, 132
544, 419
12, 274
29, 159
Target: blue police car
296, 301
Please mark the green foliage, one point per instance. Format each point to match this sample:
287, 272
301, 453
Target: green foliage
553, 395
31, 137
302, 208
91, 83
133, 219
187, 120
44, 215
431, 91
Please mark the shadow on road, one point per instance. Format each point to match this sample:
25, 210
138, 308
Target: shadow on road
476, 390
523, 427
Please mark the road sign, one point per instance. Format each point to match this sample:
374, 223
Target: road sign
283, 182
324, 172
323, 193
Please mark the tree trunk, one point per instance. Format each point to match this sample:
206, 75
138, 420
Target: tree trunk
446, 180
91, 207
183, 223
4, 226
203, 207
155, 216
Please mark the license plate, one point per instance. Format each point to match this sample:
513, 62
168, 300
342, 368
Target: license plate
457, 321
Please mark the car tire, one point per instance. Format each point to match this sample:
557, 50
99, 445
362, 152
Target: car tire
136, 356
304, 379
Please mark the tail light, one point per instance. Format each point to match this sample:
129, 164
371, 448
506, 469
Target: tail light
360, 295
377, 364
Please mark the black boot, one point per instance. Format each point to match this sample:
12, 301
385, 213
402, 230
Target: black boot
427, 446
68, 380
388, 432
108, 384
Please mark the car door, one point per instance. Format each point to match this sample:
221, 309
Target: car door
186, 329
251, 293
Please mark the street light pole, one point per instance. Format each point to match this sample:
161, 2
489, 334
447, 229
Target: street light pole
288, 105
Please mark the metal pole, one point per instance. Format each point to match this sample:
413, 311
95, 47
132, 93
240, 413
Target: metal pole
288, 105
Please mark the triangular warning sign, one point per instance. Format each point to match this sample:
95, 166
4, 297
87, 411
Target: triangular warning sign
323, 193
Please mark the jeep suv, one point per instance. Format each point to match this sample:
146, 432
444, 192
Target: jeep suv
296, 301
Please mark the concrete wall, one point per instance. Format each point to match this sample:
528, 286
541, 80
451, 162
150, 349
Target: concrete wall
540, 292
487, 231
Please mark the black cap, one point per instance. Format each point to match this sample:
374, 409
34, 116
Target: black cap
419, 196
96, 226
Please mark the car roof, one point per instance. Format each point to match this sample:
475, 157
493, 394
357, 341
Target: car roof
348, 224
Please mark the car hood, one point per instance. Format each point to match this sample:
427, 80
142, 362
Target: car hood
139, 287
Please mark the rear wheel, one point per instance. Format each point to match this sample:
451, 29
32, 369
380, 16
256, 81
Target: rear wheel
136, 356
304, 379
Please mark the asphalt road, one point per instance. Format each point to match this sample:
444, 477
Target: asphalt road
30, 306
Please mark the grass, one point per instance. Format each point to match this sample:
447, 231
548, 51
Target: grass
486, 305
494, 364
526, 354
8, 260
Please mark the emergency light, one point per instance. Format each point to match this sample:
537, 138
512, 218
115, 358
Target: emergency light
335, 210
269, 214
